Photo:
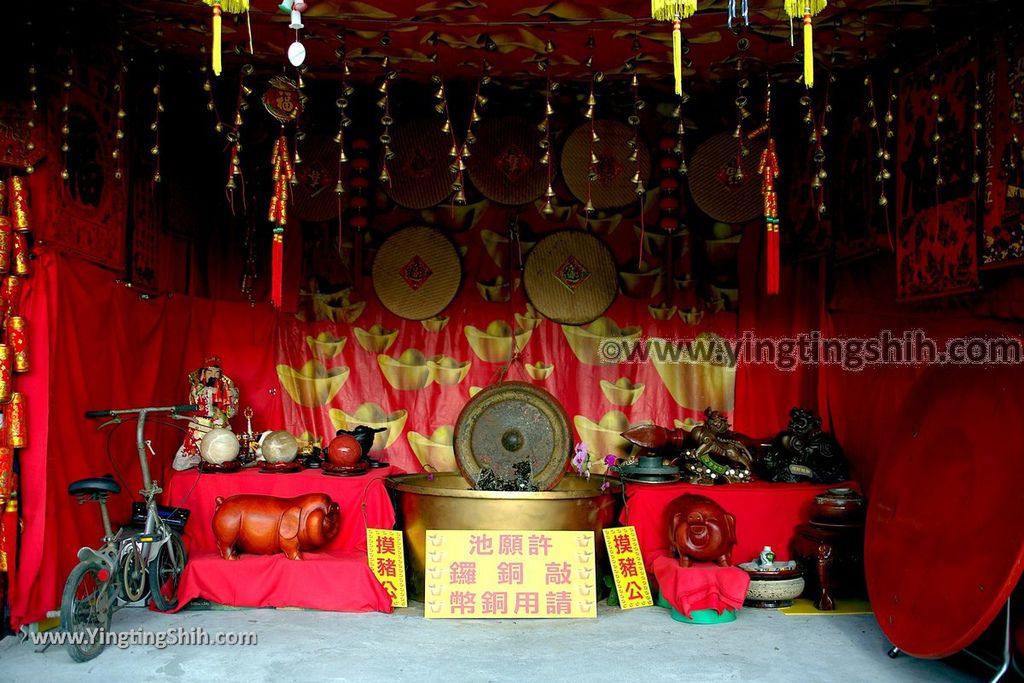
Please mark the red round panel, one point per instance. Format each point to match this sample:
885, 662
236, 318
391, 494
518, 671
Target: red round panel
944, 545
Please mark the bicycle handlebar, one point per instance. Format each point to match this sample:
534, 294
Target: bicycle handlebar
182, 408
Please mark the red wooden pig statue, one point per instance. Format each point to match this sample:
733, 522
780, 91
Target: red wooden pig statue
700, 530
264, 525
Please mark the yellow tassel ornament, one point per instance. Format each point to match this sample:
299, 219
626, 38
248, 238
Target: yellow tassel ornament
675, 11
219, 7
805, 9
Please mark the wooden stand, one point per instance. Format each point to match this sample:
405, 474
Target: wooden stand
832, 560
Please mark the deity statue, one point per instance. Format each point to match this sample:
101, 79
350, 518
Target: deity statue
217, 397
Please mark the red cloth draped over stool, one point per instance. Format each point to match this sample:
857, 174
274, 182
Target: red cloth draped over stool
766, 514
700, 586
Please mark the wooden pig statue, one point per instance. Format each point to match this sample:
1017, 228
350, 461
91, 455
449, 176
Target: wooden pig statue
700, 530
264, 525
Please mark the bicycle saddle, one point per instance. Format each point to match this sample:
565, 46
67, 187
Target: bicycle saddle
84, 487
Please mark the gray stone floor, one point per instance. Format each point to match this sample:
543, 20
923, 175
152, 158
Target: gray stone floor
642, 644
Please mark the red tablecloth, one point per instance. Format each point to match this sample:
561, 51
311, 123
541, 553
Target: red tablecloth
339, 581
766, 514
337, 578
198, 492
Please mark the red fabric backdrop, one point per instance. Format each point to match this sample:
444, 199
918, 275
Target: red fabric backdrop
96, 344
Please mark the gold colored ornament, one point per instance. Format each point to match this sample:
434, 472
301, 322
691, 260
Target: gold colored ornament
674, 11
806, 9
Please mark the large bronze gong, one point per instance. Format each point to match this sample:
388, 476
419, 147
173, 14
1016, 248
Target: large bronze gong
512, 422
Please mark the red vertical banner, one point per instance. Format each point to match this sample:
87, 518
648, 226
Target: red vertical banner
937, 199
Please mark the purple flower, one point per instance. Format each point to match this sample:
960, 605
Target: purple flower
610, 460
581, 460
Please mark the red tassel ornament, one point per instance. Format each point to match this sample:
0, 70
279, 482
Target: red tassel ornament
284, 171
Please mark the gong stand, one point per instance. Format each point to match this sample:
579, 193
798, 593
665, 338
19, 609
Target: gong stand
1006, 655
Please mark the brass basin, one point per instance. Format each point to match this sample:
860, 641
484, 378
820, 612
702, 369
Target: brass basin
447, 502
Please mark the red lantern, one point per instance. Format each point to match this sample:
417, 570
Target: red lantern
17, 430
9, 531
6, 367
19, 255
6, 244
10, 291
6, 473
15, 326
19, 203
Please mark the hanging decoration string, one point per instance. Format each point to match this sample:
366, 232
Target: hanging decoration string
545, 144
768, 167
805, 9
234, 137
119, 86
675, 11
155, 126
386, 120
595, 77
65, 128
744, 13
344, 121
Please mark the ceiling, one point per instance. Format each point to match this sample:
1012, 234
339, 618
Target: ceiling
526, 38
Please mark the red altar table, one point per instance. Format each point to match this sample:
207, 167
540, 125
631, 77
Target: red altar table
766, 514
336, 578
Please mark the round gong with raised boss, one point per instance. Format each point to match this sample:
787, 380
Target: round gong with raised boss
513, 430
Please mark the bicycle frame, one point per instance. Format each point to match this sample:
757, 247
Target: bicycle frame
155, 533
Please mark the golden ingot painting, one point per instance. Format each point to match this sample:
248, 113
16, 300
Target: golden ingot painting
312, 385
377, 339
604, 437
435, 324
448, 371
540, 370
374, 416
325, 345
586, 341
694, 381
410, 371
496, 343
435, 451
621, 392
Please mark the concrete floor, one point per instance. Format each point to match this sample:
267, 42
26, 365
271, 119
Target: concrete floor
642, 644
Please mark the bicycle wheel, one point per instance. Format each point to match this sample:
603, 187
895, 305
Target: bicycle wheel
165, 573
133, 576
85, 610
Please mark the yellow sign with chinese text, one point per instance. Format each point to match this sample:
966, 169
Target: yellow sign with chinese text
386, 555
510, 574
628, 567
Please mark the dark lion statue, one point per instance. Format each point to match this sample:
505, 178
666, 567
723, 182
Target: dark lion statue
804, 453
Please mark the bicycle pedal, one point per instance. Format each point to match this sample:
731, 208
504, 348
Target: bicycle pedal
146, 539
